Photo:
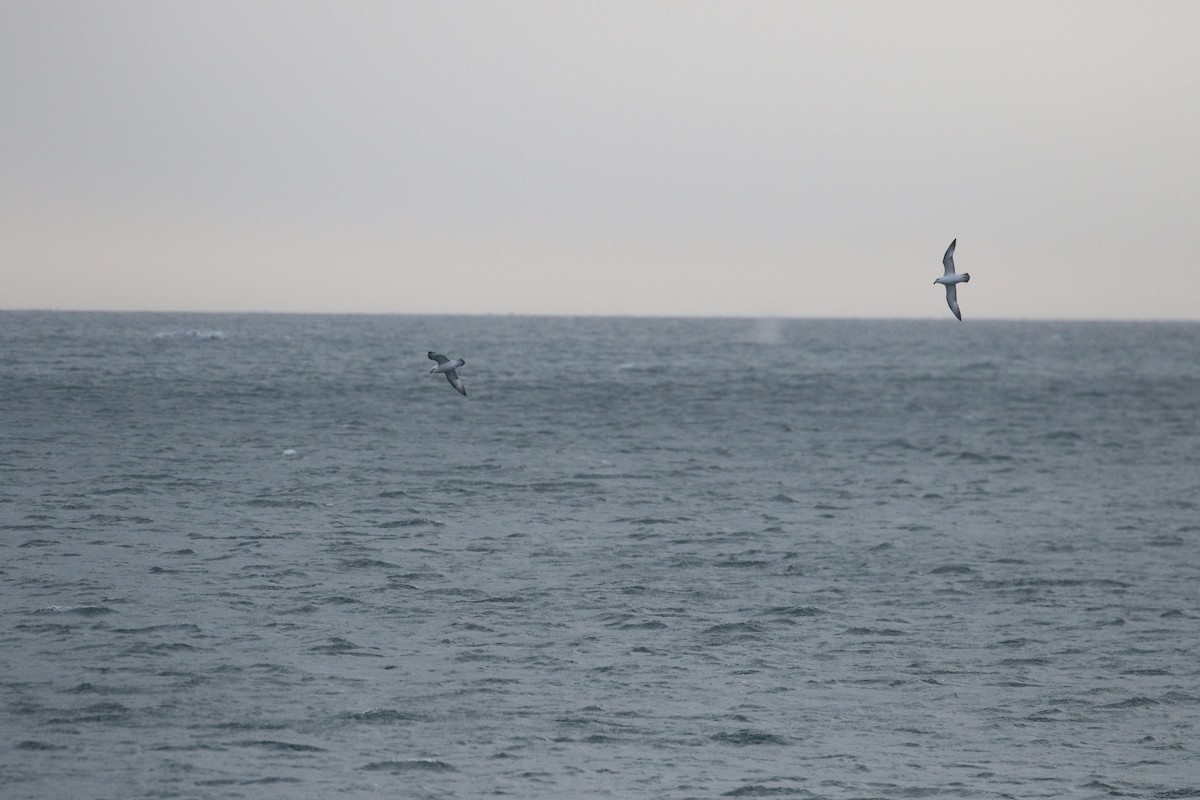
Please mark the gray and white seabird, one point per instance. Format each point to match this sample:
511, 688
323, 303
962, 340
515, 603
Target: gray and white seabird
447, 367
950, 278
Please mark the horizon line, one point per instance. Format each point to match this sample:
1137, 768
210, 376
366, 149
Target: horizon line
552, 315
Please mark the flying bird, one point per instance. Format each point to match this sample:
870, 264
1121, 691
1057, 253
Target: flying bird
447, 367
950, 278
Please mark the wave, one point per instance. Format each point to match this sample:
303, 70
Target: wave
384, 716
83, 611
747, 736
410, 765
411, 522
284, 747
795, 611
209, 335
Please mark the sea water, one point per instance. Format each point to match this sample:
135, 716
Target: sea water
266, 556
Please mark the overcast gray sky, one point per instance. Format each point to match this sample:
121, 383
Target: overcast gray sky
713, 158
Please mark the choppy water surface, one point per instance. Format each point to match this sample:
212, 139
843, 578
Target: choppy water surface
268, 556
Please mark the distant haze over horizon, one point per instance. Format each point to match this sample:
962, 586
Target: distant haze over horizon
771, 159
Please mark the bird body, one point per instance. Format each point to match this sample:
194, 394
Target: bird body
446, 365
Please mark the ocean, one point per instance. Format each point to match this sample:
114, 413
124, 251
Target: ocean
269, 556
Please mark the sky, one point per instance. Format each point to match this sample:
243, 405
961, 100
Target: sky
794, 159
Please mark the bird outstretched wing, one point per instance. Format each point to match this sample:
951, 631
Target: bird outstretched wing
952, 299
452, 376
947, 261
